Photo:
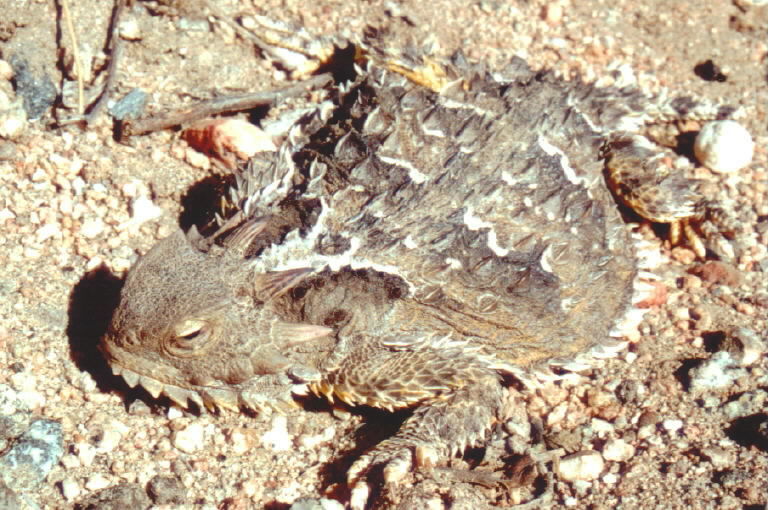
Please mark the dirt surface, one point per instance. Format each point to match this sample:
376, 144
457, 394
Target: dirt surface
68, 196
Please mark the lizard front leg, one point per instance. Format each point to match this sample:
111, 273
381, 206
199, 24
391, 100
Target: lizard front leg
456, 392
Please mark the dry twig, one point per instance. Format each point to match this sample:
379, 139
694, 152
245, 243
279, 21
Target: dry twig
76, 55
117, 52
221, 105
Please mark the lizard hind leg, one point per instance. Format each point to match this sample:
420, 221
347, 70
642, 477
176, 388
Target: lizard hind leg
639, 178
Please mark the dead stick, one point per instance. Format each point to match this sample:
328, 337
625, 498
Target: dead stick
220, 105
75, 54
117, 51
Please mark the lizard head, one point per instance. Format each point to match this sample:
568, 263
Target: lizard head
199, 325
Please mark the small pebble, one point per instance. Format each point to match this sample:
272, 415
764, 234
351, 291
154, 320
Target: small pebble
312, 442
166, 490
70, 489
744, 345
144, 210
130, 106
189, 439
6, 71
174, 413
13, 121
197, 159
92, 228
584, 465
277, 438
724, 146
96, 482
618, 450
672, 425
751, 402
720, 457
553, 13
48, 231
316, 504
118, 496
108, 440
129, 29
86, 453
241, 440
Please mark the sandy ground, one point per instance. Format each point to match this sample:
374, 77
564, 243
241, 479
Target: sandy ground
67, 196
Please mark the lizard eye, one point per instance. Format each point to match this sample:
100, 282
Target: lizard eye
190, 338
189, 329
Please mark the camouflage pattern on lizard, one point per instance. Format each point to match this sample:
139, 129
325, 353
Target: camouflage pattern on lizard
434, 236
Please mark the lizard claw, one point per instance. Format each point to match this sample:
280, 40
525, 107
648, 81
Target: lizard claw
394, 460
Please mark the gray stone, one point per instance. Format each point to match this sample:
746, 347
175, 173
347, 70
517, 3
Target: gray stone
36, 88
748, 403
33, 456
14, 416
130, 106
717, 373
119, 497
166, 490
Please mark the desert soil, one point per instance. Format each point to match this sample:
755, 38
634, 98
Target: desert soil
656, 434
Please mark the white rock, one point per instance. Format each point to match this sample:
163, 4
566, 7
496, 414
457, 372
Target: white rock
48, 231
6, 214
92, 227
672, 425
570, 501
601, 427
129, 29
70, 461
143, 210
32, 399
23, 381
277, 439
248, 22
13, 121
720, 457
6, 71
174, 413
584, 465
724, 146
311, 442
618, 450
70, 489
86, 453
239, 442
96, 482
189, 439
108, 440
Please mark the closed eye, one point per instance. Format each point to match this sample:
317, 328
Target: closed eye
189, 338
189, 329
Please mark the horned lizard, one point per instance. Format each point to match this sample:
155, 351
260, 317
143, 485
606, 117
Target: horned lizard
434, 237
